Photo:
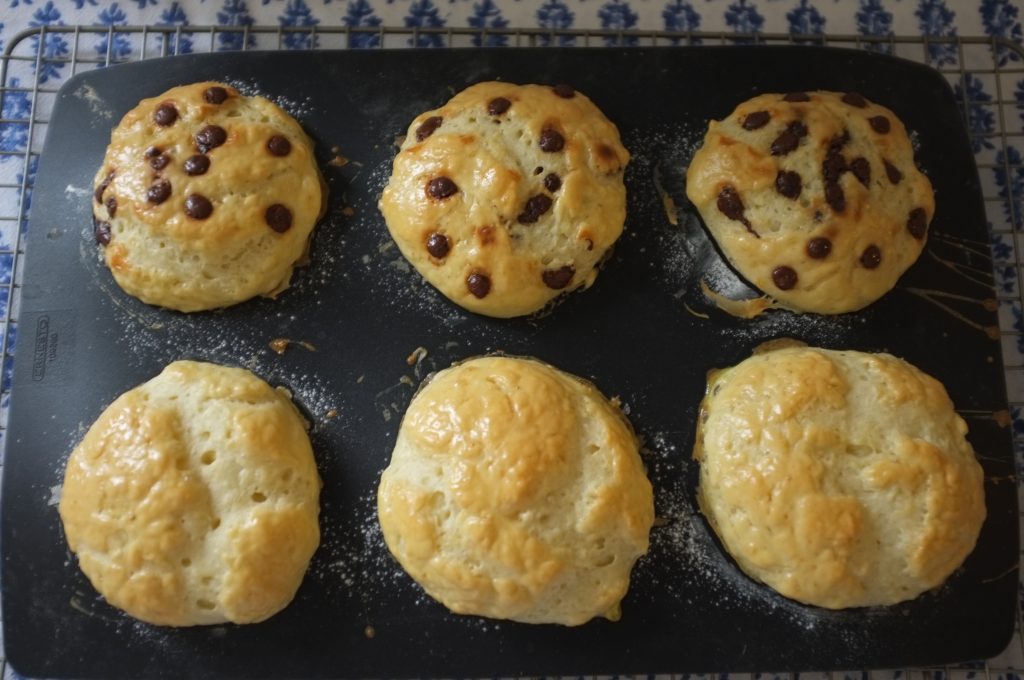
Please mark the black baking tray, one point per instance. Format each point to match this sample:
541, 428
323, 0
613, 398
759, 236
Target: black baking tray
644, 333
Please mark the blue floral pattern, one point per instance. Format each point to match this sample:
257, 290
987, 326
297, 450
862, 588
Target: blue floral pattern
424, 14
981, 119
487, 15
936, 19
360, 14
873, 20
298, 13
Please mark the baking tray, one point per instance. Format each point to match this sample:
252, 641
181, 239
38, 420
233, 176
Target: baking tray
644, 333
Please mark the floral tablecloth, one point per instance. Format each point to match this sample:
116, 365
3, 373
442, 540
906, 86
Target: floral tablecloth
1001, 172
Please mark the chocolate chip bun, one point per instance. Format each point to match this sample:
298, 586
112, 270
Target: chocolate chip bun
508, 195
206, 198
840, 479
193, 499
516, 491
813, 197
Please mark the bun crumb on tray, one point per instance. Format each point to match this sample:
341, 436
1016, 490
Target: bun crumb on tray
840, 479
194, 498
508, 195
516, 491
813, 197
206, 198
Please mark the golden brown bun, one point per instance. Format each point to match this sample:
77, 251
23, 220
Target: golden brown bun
516, 491
840, 479
165, 252
194, 497
525, 223
825, 217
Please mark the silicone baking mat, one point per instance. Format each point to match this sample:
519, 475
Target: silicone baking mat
644, 333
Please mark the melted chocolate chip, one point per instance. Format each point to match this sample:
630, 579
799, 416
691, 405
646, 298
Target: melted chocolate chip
153, 151
730, 205
917, 223
797, 97
819, 247
880, 124
861, 169
197, 165
552, 182
159, 192
111, 205
478, 284
102, 233
438, 245
279, 218
835, 197
278, 145
756, 120
784, 277
215, 95
198, 207
564, 91
427, 127
165, 114
98, 194
210, 137
892, 172
789, 184
789, 139
159, 162
441, 188
534, 208
557, 279
537, 170
498, 106
551, 140
855, 99
871, 257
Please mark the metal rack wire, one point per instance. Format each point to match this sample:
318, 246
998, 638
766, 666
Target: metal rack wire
36, 62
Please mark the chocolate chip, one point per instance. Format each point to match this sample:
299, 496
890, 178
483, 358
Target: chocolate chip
871, 257
835, 197
159, 192
478, 284
784, 277
789, 184
557, 279
98, 194
102, 233
111, 205
210, 137
880, 124
861, 169
564, 91
438, 245
165, 114
819, 247
215, 95
159, 162
789, 139
892, 172
730, 205
278, 145
756, 120
441, 188
279, 218
534, 208
797, 97
427, 127
537, 170
498, 106
854, 99
552, 182
198, 207
551, 140
153, 151
197, 165
917, 223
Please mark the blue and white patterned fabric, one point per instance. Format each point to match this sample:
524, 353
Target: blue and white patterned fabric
1001, 159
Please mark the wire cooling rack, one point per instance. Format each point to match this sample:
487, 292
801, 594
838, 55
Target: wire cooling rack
987, 75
